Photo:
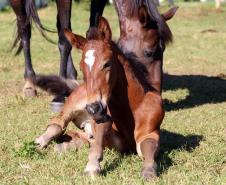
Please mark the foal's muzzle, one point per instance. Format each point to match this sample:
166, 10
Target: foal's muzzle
98, 112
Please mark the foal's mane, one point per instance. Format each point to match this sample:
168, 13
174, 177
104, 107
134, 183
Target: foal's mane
139, 70
163, 29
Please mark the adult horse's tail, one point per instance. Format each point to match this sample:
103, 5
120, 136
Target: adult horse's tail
55, 85
32, 16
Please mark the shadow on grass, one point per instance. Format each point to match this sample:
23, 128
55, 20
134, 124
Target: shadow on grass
202, 90
172, 141
169, 142
112, 165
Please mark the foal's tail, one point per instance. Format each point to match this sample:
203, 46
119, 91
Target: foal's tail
55, 85
32, 16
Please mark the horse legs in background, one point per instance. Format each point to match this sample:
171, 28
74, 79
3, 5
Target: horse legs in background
96, 10
24, 33
67, 69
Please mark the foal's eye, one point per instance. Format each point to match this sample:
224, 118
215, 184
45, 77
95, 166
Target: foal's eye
107, 65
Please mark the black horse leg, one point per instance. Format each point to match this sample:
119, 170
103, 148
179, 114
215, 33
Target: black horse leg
67, 69
71, 71
96, 10
24, 34
63, 22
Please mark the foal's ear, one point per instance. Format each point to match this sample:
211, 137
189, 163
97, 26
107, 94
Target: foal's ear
75, 40
104, 29
170, 13
143, 16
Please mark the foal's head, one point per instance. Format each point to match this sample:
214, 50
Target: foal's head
96, 64
145, 31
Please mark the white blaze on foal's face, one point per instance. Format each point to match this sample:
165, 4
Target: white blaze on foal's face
90, 58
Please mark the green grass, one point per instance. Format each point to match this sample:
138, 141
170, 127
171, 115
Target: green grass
193, 142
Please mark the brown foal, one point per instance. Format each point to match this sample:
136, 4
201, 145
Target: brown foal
116, 100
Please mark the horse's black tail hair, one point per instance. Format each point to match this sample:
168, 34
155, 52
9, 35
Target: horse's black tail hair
32, 16
55, 85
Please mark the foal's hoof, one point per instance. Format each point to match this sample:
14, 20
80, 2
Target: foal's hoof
56, 106
63, 147
92, 169
66, 146
29, 92
41, 142
149, 173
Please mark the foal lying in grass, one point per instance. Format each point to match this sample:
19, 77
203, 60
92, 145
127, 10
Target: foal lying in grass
124, 110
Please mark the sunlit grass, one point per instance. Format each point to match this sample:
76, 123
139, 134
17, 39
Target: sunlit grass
193, 144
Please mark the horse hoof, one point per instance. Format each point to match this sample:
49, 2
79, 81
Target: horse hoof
29, 92
72, 145
60, 148
41, 142
92, 170
56, 106
149, 173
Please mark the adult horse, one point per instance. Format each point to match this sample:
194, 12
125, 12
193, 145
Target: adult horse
126, 111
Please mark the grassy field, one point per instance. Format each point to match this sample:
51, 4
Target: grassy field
193, 143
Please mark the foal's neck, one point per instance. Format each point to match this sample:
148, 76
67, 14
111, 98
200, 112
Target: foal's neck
131, 85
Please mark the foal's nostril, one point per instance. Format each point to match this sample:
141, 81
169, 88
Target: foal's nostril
94, 108
148, 53
89, 109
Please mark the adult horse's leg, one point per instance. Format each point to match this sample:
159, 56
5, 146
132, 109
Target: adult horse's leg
67, 69
24, 32
71, 71
96, 10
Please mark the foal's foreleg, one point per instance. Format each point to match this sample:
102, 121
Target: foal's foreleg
148, 118
96, 149
75, 103
149, 148
24, 33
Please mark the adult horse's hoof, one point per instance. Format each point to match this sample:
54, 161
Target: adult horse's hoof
29, 92
56, 106
149, 173
92, 169
29, 89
